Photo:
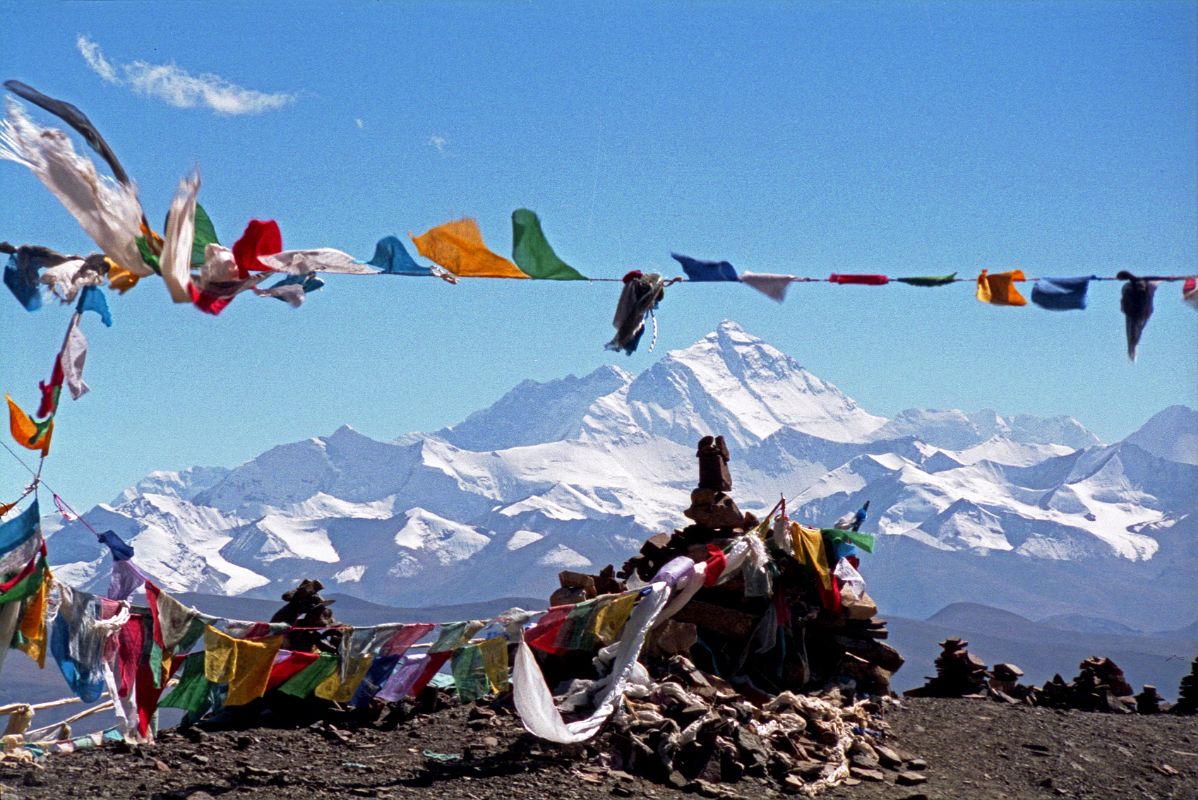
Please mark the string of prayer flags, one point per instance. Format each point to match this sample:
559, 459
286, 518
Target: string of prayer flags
999, 289
392, 258
532, 253
1136, 304
772, 286
929, 280
1061, 294
27, 432
458, 247
706, 271
859, 280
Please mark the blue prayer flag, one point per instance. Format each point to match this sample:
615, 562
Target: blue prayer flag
1061, 294
121, 551
23, 284
92, 299
392, 258
706, 270
17, 530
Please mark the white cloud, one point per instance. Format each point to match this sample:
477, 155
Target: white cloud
180, 88
439, 142
359, 122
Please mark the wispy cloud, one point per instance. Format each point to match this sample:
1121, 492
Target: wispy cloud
180, 88
439, 142
361, 123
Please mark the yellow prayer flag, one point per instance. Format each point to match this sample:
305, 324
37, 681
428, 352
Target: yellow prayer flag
495, 663
999, 289
33, 623
26, 432
120, 278
458, 246
809, 548
340, 691
610, 619
244, 664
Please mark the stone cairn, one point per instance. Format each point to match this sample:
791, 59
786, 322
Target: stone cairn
1187, 693
784, 708
959, 673
1099, 686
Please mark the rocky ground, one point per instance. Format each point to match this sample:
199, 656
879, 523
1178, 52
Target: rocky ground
973, 749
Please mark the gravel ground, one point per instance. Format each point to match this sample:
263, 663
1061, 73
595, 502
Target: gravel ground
973, 749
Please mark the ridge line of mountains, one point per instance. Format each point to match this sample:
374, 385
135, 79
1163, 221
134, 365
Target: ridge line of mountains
1031, 514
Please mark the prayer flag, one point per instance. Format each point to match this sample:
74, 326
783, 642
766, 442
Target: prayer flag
392, 257
531, 251
175, 261
1061, 294
1189, 291
28, 433
1136, 304
92, 299
21, 279
458, 247
205, 234
860, 280
772, 286
929, 280
261, 237
702, 271
999, 289
243, 664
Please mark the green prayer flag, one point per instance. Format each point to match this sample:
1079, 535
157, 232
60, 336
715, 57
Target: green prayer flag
204, 236
863, 540
147, 255
469, 675
929, 280
532, 253
191, 692
303, 683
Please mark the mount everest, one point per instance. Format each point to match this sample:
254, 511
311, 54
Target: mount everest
1032, 514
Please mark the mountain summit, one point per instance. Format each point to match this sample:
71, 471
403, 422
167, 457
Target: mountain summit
574, 473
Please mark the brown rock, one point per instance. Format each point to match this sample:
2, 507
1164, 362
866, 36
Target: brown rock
908, 778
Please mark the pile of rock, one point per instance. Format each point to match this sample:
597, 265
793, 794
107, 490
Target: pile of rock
959, 673
694, 731
1099, 686
1187, 693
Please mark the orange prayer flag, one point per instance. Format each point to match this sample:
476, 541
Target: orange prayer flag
119, 278
33, 624
27, 433
999, 289
458, 246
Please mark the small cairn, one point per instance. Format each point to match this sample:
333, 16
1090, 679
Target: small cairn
959, 673
1004, 684
1187, 693
1149, 701
1101, 686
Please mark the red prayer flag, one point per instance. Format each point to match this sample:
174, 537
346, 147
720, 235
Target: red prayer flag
863, 280
261, 238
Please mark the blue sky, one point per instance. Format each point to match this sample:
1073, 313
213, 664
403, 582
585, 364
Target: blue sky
905, 138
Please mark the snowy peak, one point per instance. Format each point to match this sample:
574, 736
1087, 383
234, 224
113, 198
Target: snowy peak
958, 430
534, 412
1171, 434
732, 383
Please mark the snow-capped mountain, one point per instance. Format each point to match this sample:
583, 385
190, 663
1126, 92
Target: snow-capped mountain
575, 473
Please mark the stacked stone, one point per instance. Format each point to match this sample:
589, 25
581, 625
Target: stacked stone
1149, 701
1187, 699
959, 673
1101, 686
1004, 684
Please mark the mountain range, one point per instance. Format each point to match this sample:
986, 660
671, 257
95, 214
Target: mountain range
1034, 515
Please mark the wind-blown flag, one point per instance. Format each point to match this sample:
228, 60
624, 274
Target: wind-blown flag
1061, 294
999, 289
772, 286
1136, 304
859, 280
703, 271
28, 433
1189, 291
261, 237
929, 280
92, 299
458, 246
531, 250
392, 258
